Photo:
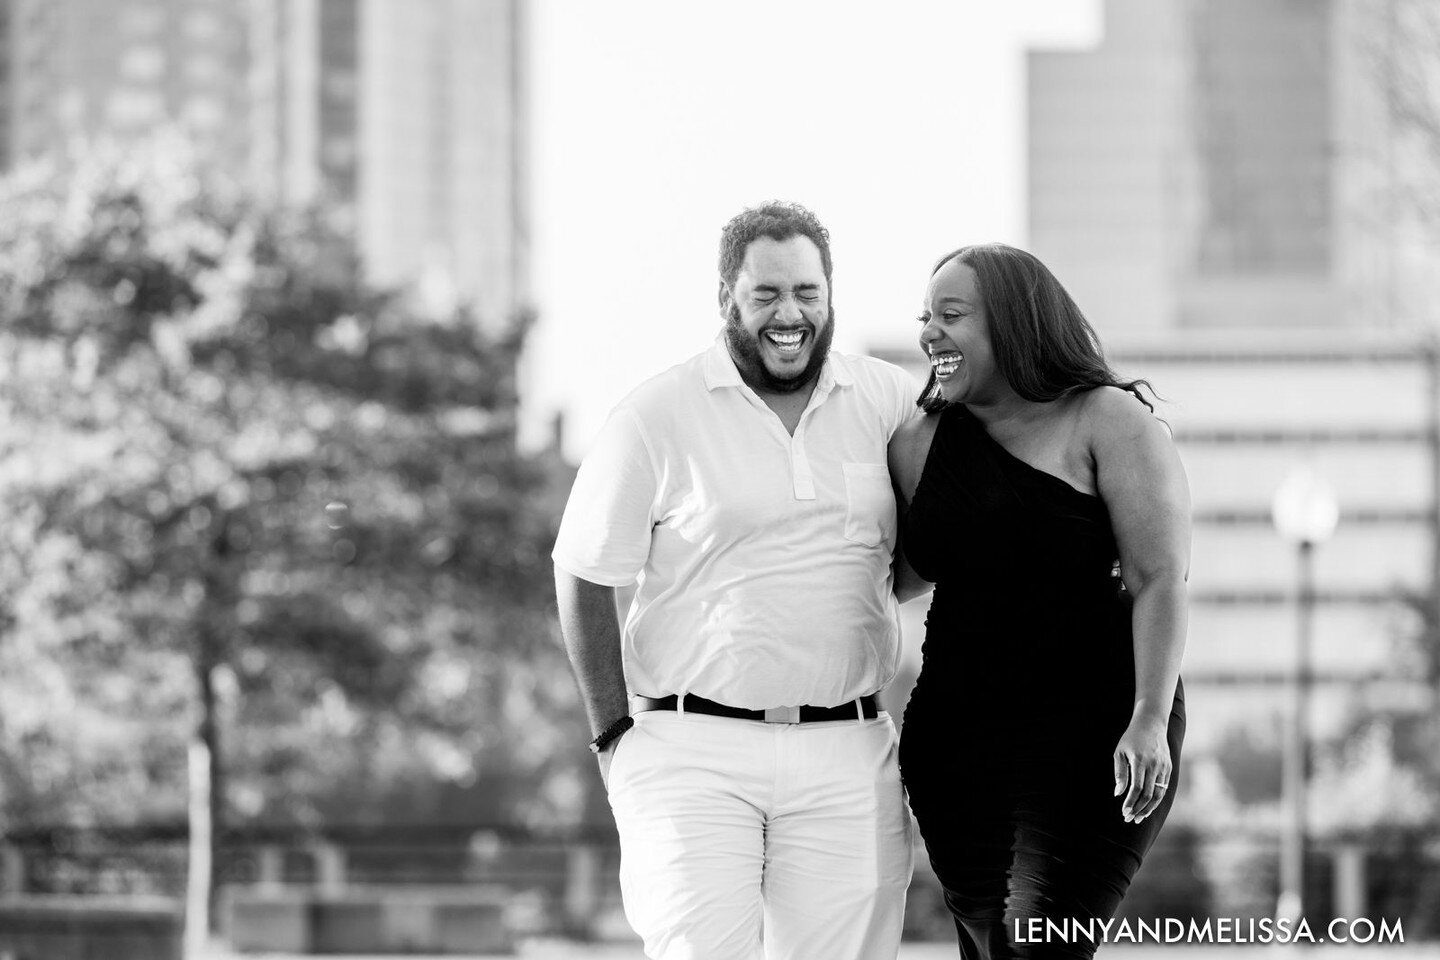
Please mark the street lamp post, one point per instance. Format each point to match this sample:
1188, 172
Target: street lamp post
1305, 513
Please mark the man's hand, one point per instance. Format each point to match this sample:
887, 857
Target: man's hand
607, 757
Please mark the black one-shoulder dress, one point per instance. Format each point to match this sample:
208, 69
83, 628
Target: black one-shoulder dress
1027, 684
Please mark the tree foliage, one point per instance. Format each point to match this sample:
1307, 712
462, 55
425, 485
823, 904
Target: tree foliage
1404, 37
242, 489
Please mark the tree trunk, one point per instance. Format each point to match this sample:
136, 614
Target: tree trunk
213, 793
199, 888
207, 792
216, 611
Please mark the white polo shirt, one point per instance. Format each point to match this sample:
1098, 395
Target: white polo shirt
762, 560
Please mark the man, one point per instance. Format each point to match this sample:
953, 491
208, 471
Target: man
753, 782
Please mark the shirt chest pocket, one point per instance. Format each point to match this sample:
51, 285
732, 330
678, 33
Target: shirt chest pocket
869, 504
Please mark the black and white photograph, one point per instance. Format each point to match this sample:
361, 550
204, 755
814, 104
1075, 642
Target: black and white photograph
696, 480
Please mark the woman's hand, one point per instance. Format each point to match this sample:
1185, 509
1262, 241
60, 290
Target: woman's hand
1142, 768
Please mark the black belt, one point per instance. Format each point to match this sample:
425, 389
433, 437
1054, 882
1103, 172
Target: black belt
694, 704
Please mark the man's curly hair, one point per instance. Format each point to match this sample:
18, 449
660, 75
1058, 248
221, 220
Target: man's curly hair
778, 221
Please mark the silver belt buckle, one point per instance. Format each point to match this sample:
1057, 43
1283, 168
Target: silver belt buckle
782, 715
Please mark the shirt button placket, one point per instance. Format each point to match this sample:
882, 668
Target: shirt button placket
804, 481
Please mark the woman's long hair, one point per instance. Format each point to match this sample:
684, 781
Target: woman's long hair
1043, 345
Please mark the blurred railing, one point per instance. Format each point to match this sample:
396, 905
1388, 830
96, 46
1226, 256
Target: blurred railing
564, 883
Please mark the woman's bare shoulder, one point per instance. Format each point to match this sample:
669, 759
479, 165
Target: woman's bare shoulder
1113, 412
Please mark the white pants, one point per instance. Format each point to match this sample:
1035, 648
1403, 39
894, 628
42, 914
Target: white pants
727, 826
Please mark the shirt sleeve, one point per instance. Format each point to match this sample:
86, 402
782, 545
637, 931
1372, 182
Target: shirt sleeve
904, 390
605, 532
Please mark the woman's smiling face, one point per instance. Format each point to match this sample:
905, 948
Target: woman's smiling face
956, 337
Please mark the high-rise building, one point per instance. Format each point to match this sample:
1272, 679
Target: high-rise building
1227, 164
1215, 183
405, 121
441, 146
75, 69
7, 84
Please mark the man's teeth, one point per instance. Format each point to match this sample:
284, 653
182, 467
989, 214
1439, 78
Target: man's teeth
788, 341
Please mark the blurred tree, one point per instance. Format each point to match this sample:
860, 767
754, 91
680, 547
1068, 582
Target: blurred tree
253, 506
1250, 761
1410, 730
1393, 161
1381, 779
1404, 51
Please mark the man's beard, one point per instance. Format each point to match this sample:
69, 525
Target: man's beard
745, 350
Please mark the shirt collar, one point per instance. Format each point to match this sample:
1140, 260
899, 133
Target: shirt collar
720, 369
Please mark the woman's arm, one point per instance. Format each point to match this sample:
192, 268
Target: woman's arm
1139, 475
906, 454
908, 583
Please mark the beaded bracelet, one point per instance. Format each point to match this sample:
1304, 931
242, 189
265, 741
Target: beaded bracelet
611, 733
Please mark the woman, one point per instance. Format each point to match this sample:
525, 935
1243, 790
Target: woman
1041, 743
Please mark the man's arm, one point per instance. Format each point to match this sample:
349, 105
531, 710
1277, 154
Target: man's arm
591, 629
604, 538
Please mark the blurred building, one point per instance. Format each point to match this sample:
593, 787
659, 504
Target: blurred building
1230, 164
405, 121
409, 120
74, 69
7, 85
1217, 185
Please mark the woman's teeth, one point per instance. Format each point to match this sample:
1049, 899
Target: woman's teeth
786, 341
945, 364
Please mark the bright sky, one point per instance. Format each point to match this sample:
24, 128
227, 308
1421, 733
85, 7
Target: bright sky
655, 121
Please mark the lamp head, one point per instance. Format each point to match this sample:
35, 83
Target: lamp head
1305, 509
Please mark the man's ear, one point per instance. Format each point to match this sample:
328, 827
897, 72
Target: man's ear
725, 298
